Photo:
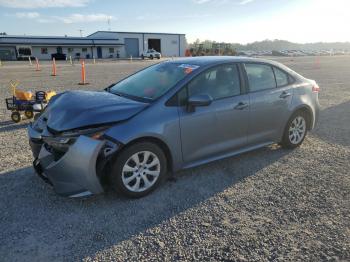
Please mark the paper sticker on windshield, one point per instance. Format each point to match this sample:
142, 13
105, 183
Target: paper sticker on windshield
193, 67
188, 68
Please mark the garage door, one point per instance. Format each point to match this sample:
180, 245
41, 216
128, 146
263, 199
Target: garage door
132, 47
154, 44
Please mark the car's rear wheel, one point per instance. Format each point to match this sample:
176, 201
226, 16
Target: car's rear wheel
138, 169
142, 57
295, 131
151, 57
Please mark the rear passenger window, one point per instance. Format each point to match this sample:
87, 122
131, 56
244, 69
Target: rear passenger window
281, 77
260, 77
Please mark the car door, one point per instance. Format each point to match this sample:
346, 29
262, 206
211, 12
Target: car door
270, 94
221, 127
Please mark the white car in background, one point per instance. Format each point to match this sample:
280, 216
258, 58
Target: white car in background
151, 53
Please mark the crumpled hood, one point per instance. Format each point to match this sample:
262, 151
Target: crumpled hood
78, 109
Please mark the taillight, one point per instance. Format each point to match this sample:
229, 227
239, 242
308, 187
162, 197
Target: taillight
315, 88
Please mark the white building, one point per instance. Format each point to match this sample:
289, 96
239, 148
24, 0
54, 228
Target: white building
101, 44
136, 42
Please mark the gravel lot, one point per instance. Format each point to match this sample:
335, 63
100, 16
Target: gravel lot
267, 205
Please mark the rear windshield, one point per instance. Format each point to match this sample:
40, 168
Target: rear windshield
153, 81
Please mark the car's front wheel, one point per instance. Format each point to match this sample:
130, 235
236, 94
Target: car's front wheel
138, 169
295, 131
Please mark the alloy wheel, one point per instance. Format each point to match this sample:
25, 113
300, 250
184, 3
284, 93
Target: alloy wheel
297, 130
141, 171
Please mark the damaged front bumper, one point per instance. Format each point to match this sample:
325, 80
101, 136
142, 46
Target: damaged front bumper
75, 173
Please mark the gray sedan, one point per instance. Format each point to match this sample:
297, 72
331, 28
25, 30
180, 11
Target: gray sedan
170, 116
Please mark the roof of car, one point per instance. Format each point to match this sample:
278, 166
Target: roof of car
208, 60
205, 61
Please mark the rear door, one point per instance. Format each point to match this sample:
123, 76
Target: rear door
270, 95
221, 127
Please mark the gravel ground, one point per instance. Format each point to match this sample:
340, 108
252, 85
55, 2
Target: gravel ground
267, 205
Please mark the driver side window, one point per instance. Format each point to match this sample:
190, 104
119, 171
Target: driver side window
218, 82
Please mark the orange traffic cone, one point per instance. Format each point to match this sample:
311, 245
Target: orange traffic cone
37, 64
188, 52
54, 73
83, 74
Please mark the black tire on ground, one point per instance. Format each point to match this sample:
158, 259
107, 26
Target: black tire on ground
29, 114
151, 57
142, 57
16, 117
286, 141
115, 176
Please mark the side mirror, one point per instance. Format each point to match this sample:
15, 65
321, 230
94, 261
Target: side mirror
198, 100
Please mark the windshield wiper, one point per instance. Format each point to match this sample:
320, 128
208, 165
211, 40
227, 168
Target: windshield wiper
118, 94
135, 98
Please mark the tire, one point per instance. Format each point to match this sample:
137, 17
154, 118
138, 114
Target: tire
16, 117
151, 57
29, 114
142, 57
130, 179
299, 123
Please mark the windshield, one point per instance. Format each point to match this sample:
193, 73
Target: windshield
153, 81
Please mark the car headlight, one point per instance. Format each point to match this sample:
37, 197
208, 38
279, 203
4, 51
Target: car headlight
65, 139
95, 133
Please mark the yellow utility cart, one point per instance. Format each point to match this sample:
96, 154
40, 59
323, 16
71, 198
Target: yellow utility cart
27, 102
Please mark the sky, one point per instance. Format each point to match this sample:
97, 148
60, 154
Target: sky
235, 21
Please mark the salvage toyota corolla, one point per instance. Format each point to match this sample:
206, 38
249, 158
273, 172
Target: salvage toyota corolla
167, 117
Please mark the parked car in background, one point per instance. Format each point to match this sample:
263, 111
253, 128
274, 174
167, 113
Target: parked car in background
168, 117
151, 54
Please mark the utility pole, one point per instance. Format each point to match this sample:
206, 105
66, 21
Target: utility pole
109, 23
81, 32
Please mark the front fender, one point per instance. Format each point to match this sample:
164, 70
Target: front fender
161, 124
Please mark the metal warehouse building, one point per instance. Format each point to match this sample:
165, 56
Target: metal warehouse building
101, 44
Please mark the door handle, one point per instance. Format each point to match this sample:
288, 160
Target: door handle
285, 95
241, 106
